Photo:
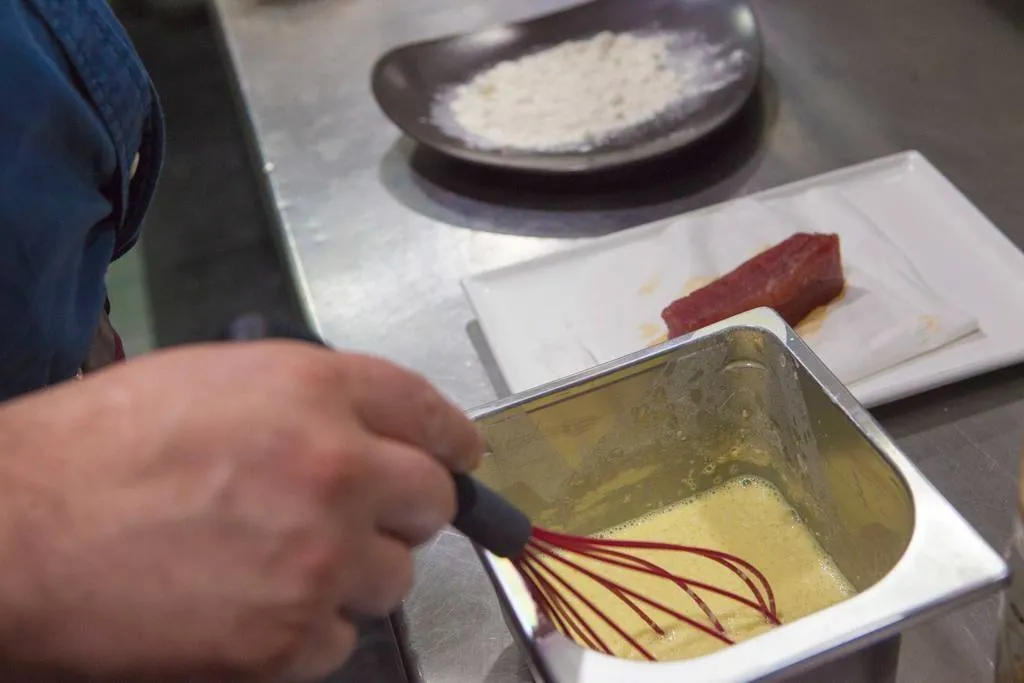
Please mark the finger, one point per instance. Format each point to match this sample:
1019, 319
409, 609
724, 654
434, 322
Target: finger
401, 405
328, 647
417, 496
384, 578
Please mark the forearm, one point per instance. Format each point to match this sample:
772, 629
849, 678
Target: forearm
49, 442
23, 614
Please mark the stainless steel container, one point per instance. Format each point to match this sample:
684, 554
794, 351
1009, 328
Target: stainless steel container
743, 397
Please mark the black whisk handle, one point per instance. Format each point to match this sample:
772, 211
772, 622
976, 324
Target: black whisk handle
483, 516
489, 520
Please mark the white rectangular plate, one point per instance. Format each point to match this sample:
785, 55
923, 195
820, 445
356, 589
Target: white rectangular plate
964, 258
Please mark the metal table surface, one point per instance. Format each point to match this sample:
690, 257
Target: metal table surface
378, 234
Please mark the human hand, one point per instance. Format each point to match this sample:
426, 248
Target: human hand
217, 513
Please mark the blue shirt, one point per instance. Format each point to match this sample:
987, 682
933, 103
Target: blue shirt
76, 106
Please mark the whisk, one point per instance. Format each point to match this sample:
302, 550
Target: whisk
548, 561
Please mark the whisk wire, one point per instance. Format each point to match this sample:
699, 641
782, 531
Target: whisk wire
619, 590
574, 591
738, 566
552, 590
612, 557
688, 584
562, 610
766, 601
615, 590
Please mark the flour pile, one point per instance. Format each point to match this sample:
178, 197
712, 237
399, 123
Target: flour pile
581, 93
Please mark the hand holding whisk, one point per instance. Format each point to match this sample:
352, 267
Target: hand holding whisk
554, 565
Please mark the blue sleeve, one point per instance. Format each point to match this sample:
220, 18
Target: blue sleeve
57, 164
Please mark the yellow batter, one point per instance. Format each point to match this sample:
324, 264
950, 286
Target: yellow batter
746, 517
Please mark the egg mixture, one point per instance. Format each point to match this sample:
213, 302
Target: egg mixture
746, 517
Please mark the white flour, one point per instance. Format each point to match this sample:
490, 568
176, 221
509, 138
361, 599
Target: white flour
581, 93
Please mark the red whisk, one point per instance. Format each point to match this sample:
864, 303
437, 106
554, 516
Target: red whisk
549, 561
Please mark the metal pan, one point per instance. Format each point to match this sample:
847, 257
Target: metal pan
746, 396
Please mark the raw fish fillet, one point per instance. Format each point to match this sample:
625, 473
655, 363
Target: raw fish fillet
794, 277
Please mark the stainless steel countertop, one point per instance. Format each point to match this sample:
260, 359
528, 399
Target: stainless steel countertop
379, 235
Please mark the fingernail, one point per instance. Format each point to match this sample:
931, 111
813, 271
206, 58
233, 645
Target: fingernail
480, 453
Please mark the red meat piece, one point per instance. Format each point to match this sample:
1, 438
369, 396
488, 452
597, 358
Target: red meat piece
794, 277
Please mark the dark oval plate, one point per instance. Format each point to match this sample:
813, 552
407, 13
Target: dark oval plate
407, 80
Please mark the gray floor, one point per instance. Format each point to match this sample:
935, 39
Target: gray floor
208, 251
